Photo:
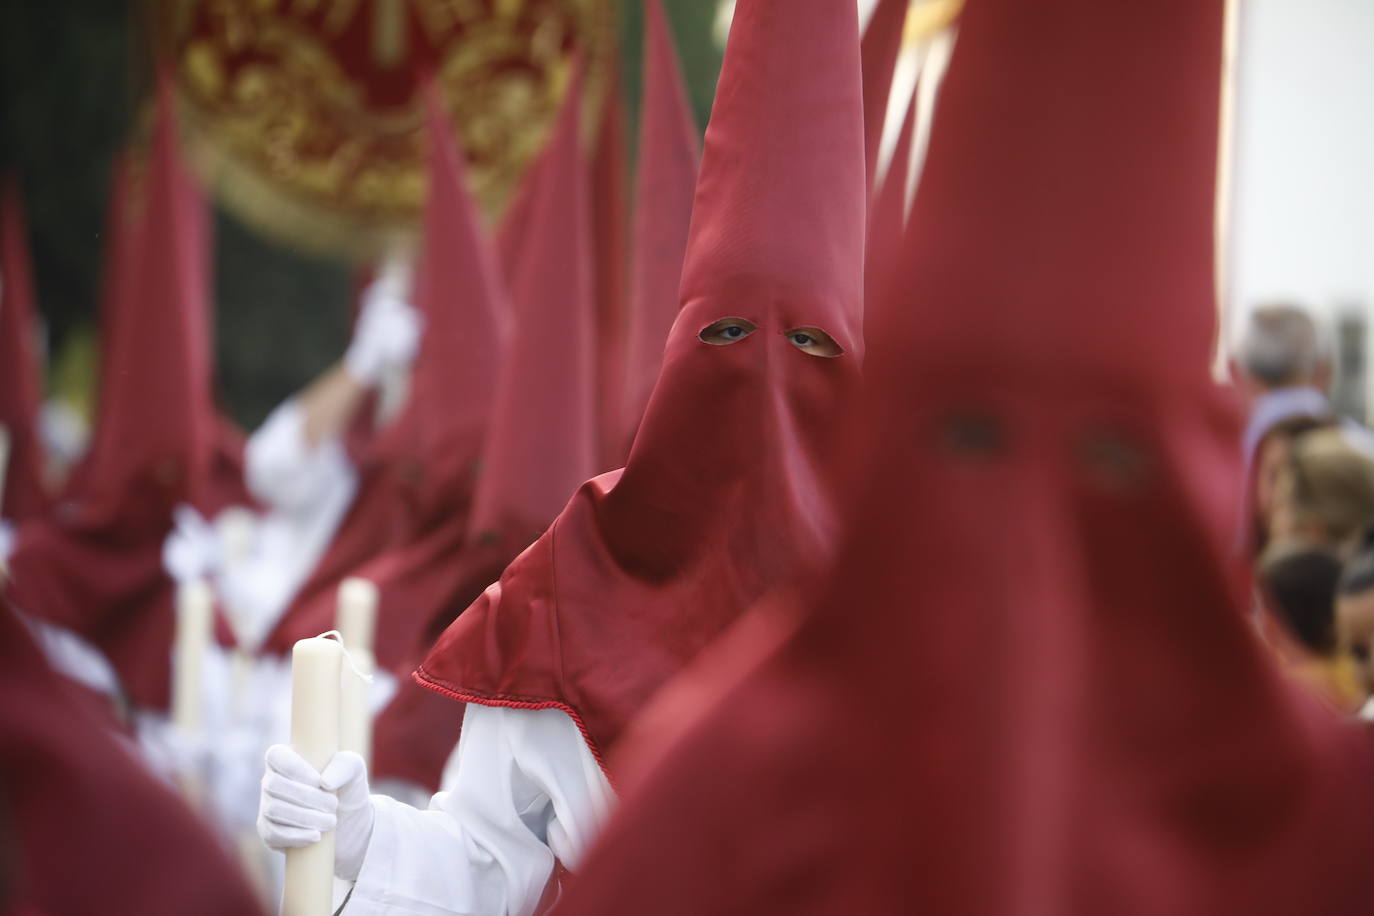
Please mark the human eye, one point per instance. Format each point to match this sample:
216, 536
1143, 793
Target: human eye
814, 342
727, 331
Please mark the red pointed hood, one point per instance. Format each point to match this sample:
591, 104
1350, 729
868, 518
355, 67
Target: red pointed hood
882, 45
770, 223
24, 493
669, 154
436, 443
96, 566
1053, 701
155, 428
460, 294
726, 489
542, 440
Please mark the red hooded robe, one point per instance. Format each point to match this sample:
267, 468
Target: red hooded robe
1030, 687
727, 485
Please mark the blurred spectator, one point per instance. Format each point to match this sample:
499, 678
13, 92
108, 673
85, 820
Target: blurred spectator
1284, 368
1323, 492
1273, 456
1299, 583
1355, 614
1284, 347
1285, 361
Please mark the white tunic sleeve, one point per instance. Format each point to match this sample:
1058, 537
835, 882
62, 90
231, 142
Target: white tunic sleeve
523, 790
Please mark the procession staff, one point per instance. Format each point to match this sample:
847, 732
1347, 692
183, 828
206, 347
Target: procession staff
725, 495
1030, 686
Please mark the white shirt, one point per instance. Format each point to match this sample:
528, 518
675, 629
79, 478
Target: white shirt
523, 790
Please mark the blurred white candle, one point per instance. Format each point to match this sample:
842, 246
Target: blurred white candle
356, 621
195, 624
315, 667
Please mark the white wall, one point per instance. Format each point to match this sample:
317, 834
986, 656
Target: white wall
1302, 218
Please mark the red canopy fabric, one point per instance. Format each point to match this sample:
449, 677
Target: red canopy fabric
83, 827
669, 154
727, 486
1029, 687
24, 493
95, 565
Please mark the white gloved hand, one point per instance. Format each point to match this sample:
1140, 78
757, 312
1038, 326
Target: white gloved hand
192, 550
298, 806
387, 337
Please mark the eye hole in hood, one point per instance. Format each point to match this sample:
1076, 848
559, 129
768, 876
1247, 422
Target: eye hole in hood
814, 342
727, 331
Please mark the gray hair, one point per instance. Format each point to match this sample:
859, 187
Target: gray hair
1283, 346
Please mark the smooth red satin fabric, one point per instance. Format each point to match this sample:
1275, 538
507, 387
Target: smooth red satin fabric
84, 828
1029, 688
726, 491
24, 493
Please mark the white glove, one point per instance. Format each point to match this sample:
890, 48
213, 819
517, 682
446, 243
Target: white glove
387, 336
192, 550
298, 806
172, 753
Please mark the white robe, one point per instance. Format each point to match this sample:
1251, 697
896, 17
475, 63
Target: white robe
521, 791
307, 492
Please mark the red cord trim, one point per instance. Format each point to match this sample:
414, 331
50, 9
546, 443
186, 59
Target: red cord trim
421, 677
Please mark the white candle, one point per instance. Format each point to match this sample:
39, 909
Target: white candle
357, 623
315, 668
357, 614
195, 623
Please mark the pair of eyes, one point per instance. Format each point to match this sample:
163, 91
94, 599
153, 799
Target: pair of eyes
812, 341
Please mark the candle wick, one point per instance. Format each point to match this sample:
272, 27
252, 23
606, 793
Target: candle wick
336, 635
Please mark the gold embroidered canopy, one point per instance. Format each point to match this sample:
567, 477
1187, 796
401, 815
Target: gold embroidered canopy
304, 115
